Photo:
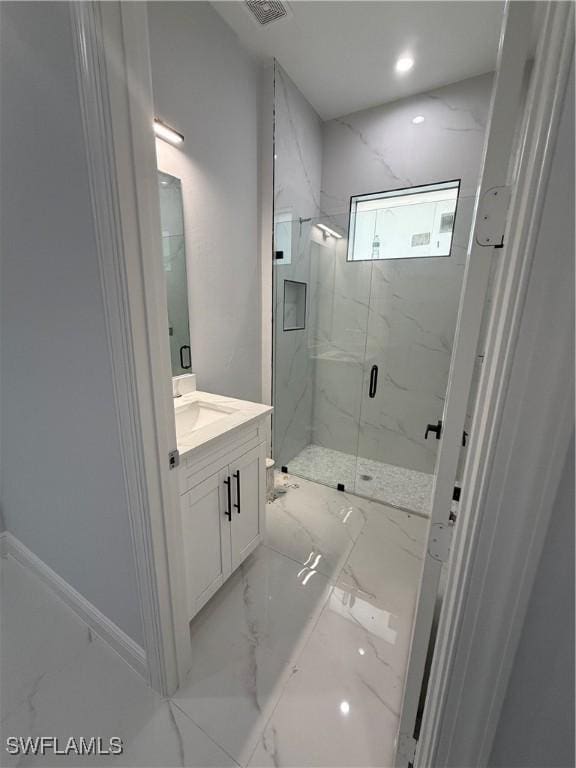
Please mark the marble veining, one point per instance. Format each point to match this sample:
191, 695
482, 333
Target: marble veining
299, 659
234, 414
340, 706
73, 684
374, 150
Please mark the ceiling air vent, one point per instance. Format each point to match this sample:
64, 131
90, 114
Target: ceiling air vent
267, 11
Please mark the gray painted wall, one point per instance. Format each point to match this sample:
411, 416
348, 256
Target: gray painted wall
536, 727
207, 87
62, 486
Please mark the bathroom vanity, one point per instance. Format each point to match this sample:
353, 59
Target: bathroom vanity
222, 482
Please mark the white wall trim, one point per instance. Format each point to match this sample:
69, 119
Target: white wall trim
506, 500
141, 399
130, 651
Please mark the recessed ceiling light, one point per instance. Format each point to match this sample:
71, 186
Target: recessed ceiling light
418, 119
404, 64
344, 707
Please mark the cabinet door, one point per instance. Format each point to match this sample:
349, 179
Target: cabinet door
248, 475
206, 539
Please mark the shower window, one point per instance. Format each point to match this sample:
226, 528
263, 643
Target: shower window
406, 223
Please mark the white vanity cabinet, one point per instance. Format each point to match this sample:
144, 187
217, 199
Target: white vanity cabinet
222, 498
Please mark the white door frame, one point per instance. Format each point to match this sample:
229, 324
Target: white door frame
113, 74
496, 180
523, 421
113, 62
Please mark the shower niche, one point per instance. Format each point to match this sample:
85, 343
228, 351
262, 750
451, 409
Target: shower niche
294, 313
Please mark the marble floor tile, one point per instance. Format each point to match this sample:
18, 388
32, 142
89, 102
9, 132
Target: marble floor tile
292, 666
340, 706
64, 681
244, 642
38, 632
99, 695
314, 525
384, 566
400, 486
170, 738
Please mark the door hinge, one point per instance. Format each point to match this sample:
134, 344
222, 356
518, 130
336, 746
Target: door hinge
440, 541
406, 749
174, 459
491, 220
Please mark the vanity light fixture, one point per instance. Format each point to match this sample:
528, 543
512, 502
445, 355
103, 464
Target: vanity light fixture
326, 231
418, 119
404, 64
166, 133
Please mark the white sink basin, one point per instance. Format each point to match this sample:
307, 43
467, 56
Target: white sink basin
198, 414
202, 417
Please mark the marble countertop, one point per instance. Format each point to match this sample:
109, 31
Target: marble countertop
235, 414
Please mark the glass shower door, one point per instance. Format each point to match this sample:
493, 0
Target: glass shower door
320, 328
362, 345
413, 308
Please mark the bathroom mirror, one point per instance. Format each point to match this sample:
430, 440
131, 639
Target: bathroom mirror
174, 260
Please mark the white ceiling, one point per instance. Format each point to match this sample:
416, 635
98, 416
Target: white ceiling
341, 54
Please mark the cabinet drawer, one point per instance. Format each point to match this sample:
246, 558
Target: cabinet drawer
196, 468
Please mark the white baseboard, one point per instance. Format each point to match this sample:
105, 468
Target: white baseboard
130, 651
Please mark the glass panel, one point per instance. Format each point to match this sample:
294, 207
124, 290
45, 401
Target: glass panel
318, 369
355, 389
403, 224
413, 309
174, 259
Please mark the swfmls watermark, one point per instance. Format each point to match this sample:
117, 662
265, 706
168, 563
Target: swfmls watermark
53, 745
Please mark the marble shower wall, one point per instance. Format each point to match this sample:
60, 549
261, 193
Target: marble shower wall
404, 310
297, 181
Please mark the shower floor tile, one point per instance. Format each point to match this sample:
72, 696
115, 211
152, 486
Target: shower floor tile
399, 486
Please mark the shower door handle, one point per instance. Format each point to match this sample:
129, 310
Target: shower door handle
373, 381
